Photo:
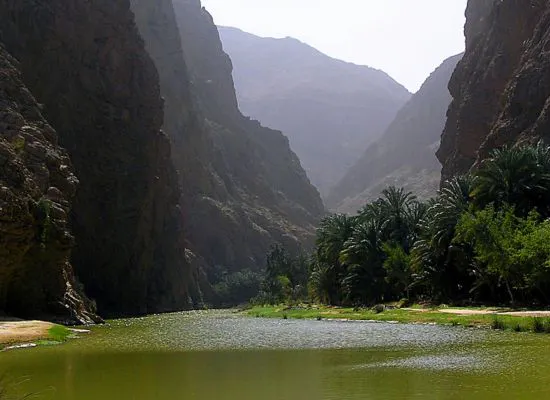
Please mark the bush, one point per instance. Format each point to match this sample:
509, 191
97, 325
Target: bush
379, 308
238, 287
498, 324
538, 325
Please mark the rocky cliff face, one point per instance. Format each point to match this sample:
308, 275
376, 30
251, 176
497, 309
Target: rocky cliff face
501, 87
331, 110
405, 155
37, 185
243, 187
86, 63
239, 189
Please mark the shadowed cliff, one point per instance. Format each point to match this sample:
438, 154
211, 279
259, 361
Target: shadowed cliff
86, 63
37, 186
243, 188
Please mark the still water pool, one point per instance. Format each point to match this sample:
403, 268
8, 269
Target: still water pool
223, 356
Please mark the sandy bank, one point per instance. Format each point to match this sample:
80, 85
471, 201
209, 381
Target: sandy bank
23, 331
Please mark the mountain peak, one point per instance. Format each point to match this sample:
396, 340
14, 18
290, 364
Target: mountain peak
330, 109
405, 154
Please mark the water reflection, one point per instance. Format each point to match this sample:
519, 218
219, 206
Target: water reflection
221, 356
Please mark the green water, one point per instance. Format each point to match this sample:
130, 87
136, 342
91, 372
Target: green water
223, 356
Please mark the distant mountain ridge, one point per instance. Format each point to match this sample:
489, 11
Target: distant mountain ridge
331, 110
405, 154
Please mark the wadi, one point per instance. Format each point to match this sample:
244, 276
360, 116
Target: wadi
273, 200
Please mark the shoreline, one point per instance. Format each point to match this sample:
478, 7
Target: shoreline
536, 321
19, 334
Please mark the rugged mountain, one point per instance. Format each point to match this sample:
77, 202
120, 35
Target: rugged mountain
243, 187
86, 64
501, 88
37, 185
405, 154
331, 110
98, 89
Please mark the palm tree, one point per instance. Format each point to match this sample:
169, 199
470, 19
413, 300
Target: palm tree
396, 204
363, 257
439, 265
321, 283
332, 235
518, 176
416, 214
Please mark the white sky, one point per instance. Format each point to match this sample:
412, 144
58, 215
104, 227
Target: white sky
407, 39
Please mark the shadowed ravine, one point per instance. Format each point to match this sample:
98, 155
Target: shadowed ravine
219, 355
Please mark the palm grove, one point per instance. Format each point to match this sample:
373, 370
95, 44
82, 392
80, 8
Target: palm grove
484, 238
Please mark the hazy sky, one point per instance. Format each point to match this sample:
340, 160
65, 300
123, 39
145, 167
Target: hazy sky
406, 38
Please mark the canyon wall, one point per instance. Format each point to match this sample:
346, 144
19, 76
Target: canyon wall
37, 186
85, 62
501, 87
243, 188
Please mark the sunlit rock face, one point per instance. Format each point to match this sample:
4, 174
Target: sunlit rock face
501, 87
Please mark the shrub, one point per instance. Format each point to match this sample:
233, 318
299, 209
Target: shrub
498, 324
538, 325
379, 308
238, 287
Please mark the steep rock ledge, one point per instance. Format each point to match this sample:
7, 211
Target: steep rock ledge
36, 187
243, 188
501, 86
86, 62
262, 194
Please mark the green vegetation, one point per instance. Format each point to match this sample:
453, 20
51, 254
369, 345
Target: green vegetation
53, 335
44, 216
59, 333
484, 239
408, 315
285, 278
235, 288
18, 144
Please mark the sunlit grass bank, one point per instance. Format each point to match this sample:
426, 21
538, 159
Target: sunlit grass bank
473, 317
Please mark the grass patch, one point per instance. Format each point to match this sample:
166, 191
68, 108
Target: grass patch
414, 315
58, 333
541, 325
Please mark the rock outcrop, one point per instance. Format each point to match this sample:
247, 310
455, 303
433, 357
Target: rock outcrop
37, 186
243, 187
501, 87
86, 63
331, 110
405, 155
